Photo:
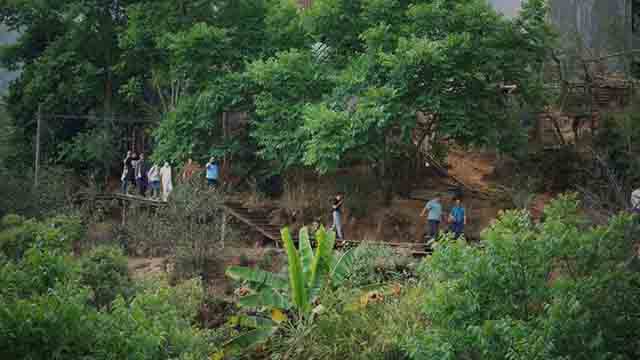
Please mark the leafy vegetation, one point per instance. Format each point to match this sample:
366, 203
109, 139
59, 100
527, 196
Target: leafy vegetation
559, 289
308, 273
319, 90
47, 298
340, 83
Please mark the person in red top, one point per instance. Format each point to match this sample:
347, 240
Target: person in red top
190, 169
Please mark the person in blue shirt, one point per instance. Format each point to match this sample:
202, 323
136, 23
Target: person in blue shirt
457, 218
434, 216
212, 172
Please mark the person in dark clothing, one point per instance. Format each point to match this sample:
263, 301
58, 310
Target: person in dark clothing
130, 176
336, 212
141, 168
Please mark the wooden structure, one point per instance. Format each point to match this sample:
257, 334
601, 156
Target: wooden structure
256, 219
581, 109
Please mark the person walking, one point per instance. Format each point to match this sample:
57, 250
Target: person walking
434, 209
212, 170
154, 180
166, 180
336, 212
140, 168
457, 218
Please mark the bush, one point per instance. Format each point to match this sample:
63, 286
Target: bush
349, 330
105, 272
558, 290
373, 264
189, 228
156, 324
56, 234
46, 298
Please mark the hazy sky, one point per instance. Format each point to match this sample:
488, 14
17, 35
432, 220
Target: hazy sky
508, 7
6, 37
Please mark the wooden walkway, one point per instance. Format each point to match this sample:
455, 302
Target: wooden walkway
258, 219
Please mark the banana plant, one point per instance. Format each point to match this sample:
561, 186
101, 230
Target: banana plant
309, 270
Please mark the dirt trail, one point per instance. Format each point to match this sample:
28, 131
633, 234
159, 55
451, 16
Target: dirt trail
472, 168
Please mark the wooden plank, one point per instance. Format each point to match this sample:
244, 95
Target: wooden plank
244, 219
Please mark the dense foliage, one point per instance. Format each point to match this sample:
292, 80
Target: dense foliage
337, 82
559, 289
52, 304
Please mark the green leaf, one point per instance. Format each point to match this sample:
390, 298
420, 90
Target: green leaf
306, 253
253, 322
342, 266
266, 297
322, 261
296, 277
249, 339
257, 277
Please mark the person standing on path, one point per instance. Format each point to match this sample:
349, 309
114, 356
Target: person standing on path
213, 171
458, 218
191, 168
166, 180
336, 212
125, 172
635, 201
131, 171
433, 218
154, 180
140, 167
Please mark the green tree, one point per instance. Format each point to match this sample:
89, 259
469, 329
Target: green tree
285, 84
106, 273
399, 58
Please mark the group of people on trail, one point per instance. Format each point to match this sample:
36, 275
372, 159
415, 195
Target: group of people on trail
158, 179
457, 218
433, 210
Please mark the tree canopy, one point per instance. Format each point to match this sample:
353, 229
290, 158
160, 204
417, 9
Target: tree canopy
339, 81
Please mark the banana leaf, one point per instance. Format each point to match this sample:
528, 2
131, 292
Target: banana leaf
306, 253
249, 339
322, 260
266, 297
297, 286
256, 277
341, 267
253, 322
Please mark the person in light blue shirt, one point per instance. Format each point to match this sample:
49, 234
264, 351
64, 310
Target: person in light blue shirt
457, 218
434, 216
212, 172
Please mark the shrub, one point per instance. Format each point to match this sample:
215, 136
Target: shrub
558, 290
46, 298
105, 272
57, 234
372, 264
349, 330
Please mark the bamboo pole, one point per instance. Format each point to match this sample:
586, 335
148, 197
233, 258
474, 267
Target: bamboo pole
37, 155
